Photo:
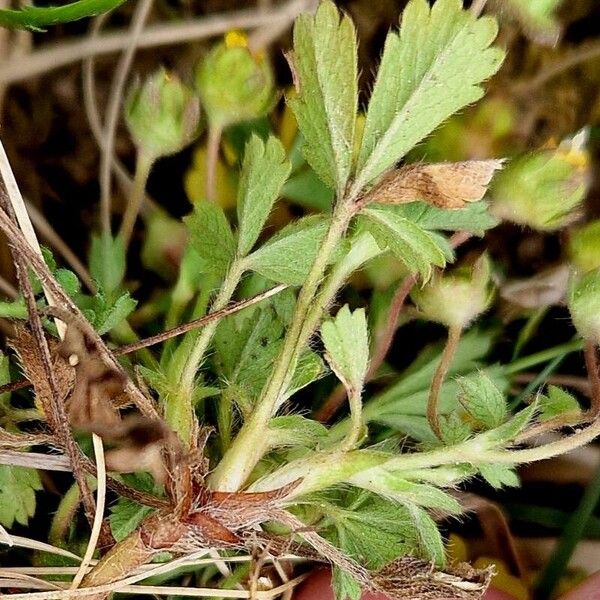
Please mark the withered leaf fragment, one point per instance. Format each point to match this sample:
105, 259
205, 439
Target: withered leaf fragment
446, 184
414, 579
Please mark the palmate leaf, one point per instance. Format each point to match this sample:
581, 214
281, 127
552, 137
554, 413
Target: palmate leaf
410, 243
325, 68
264, 172
17, 494
430, 70
346, 341
288, 256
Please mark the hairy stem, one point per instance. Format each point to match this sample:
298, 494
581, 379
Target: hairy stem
212, 158
433, 416
252, 442
179, 409
132, 209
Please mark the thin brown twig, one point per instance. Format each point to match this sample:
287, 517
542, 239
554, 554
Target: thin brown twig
433, 401
171, 333
584, 53
139, 18
51, 57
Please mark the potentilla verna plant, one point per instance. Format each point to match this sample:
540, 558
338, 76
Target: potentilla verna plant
203, 431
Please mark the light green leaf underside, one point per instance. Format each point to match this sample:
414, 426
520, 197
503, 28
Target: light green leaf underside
264, 171
430, 70
325, 65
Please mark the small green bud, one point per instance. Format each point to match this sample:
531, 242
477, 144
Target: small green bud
234, 84
457, 297
584, 247
543, 190
162, 115
584, 304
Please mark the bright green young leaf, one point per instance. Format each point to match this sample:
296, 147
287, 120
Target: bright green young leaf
288, 256
211, 237
507, 432
557, 402
499, 475
310, 367
68, 281
475, 217
430, 539
345, 586
346, 340
324, 62
17, 494
109, 315
296, 430
107, 262
406, 240
454, 429
125, 516
483, 400
430, 69
264, 171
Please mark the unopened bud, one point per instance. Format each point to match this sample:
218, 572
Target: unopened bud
457, 297
234, 84
543, 190
162, 115
584, 304
584, 247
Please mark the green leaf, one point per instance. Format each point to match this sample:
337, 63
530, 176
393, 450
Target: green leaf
474, 218
17, 494
557, 402
107, 262
68, 281
288, 256
454, 429
427, 73
431, 543
310, 367
345, 586
108, 315
371, 529
125, 516
406, 240
393, 486
499, 475
324, 63
483, 400
507, 432
346, 340
264, 171
296, 430
211, 237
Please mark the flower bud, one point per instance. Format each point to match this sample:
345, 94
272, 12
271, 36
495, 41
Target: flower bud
584, 304
457, 297
234, 84
584, 247
162, 115
543, 190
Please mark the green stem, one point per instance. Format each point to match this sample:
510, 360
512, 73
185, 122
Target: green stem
132, 209
252, 441
544, 356
179, 411
38, 17
356, 420
64, 516
574, 530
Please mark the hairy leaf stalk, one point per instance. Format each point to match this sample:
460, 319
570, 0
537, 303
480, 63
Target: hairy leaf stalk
252, 441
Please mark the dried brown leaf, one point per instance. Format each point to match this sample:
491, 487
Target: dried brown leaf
415, 579
446, 185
